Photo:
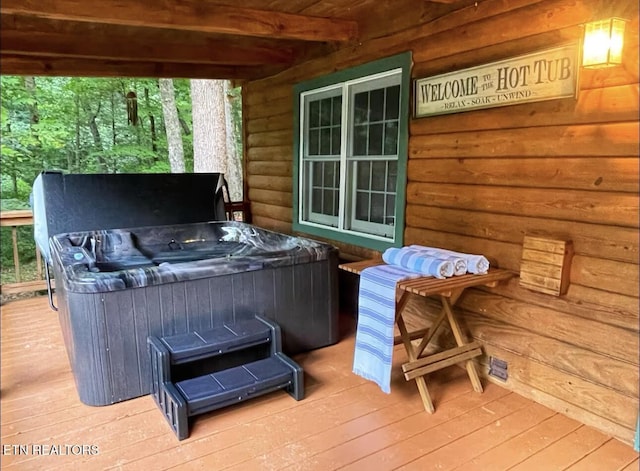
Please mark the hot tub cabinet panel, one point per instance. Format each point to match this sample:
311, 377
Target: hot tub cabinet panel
106, 330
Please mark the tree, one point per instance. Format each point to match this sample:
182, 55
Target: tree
209, 126
216, 119
233, 125
172, 126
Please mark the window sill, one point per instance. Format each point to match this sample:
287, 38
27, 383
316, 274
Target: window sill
362, 240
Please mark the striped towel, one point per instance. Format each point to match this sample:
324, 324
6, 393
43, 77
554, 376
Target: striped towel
459, 263
476, 264
376, 319
419, 262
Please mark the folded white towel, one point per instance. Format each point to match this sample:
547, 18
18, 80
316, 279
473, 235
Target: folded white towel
459, 263
476, 264
418, 262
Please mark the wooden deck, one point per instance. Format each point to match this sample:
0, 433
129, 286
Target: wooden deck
344, 422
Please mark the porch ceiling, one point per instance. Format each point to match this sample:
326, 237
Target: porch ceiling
232, 39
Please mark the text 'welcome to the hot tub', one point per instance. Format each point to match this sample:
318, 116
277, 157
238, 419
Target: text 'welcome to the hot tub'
543, 75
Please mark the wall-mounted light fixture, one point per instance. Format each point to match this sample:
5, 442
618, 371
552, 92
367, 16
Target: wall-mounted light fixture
603, 40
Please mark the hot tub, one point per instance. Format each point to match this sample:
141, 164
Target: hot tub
116, 287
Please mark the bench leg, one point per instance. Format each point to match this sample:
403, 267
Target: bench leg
457, 333
420, 381
424, 394
414, 352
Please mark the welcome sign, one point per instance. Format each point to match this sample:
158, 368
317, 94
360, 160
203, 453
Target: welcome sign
539, 76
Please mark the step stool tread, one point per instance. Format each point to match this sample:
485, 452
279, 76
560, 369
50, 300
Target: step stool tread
216, 341
205, 392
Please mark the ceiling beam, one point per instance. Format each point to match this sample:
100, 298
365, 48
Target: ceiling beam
208, 51
192, 15
61, 67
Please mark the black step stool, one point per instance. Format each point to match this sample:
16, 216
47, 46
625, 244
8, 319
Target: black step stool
201, 371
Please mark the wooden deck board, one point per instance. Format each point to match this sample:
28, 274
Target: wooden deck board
611, 455
466, 448
633, 466
518, 448
564, 452
344, 422
372, 412
390, 421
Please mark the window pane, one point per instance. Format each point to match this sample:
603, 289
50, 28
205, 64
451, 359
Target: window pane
316, 201
328, 174
392, 109
363, 175
360, 140
337, 110
392, 176
390, 213
377, 207
335, 140
375, 139
362, 206
307, 180
314, 142
376, 105
336, 199
391, 138
325, 141
317, 174
314, 114
378, 175
361, 108
325, 112
327, 206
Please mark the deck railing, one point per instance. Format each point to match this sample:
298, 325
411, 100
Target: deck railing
15, 219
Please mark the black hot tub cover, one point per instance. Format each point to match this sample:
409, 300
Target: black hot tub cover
65, 203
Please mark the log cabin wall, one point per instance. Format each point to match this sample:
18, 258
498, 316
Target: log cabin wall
480, 181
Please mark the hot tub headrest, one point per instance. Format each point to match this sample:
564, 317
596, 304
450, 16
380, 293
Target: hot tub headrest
82, 202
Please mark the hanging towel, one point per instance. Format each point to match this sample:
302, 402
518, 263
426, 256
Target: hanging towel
459, 263
419, 262
376, 319
476, 264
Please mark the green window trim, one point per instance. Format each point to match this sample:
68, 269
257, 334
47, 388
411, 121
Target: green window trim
401, 61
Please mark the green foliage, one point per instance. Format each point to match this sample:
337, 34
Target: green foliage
158, 167
15, 192
26, 245
81, 125
13, 204
236, 112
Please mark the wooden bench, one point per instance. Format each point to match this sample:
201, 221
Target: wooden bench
448, 291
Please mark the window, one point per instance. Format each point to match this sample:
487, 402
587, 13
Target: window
350, 154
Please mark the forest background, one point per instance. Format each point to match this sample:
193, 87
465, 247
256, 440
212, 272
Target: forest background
110, 125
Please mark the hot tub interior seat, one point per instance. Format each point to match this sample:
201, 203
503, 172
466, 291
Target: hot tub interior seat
178, 252
117, 250
118, 265
109, 251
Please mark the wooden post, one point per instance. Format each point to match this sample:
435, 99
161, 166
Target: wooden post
16, 256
